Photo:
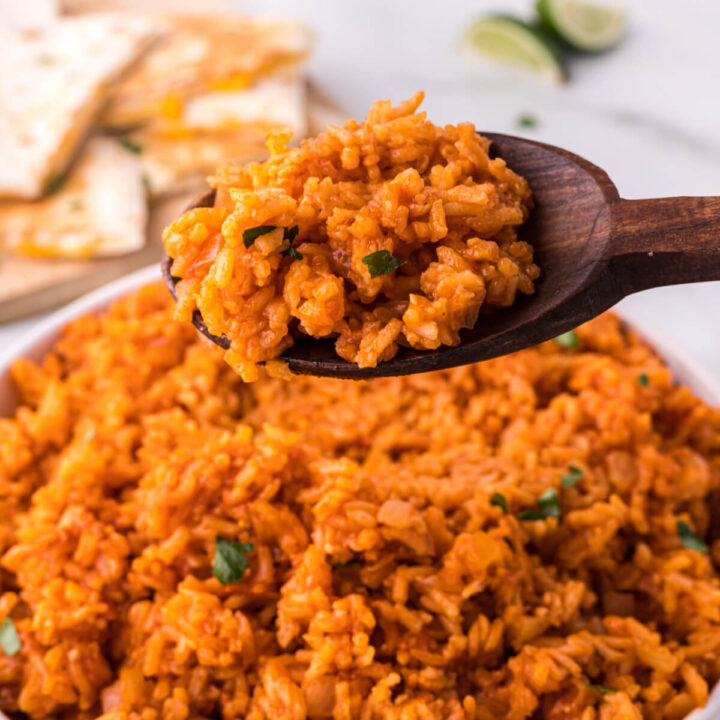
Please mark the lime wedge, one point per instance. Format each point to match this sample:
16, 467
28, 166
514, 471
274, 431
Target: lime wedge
583, 25
510, 41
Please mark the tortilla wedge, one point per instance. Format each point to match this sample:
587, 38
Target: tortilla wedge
53, 82
99, 210
221, 52
218, 126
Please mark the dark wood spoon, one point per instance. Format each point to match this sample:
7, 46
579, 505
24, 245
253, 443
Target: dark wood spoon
593, 248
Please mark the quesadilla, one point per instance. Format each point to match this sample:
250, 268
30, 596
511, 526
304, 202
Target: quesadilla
53, 81
98, 210
26, 15
200, 54
215, 127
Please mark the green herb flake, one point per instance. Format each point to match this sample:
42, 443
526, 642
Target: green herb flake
131, 146
568, 340
601, 689
230, 562
572, 476
55, 183
689, 539
294, 254
76, 204
343, 565
289, 234
499, 500
526, 120
643, 380
9, 639
251, 235
381, 262
146, 182
548, 506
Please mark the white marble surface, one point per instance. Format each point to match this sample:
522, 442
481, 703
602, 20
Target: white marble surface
649, 112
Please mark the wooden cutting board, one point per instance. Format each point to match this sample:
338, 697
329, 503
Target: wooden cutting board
30, 285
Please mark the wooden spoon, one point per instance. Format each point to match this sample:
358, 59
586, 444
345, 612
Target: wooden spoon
593, 248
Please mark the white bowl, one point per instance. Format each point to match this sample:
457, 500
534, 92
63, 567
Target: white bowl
35, 344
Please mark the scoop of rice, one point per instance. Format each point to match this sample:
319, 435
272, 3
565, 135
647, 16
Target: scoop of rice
389, 232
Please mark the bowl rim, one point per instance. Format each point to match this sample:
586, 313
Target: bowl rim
38, 339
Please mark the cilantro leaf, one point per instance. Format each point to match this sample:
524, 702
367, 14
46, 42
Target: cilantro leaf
548, 506
568, 340
131, 145
289, 234
499, 500
343, 565
294, 254
601, 689
572, 476
526, 120
381, 262
549, 503
55, 183
252, 234
689, 539
230, 562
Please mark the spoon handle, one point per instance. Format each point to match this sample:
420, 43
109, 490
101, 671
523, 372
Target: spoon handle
664, 241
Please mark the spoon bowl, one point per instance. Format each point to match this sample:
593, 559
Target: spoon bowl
593, 248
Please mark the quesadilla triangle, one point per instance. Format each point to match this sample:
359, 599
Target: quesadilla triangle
218, 126
98, 210
221, 52
53, 82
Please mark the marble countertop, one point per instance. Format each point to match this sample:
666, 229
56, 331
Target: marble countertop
646, 112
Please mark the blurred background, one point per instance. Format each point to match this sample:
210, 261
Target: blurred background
175, 97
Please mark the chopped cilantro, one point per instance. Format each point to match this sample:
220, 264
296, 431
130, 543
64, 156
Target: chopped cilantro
55, 183
499, 500
548, 506
568, 340
289, 234
526, 120
146, 182
381, 262
601, 689
9, 639
343, 565
643, 380
689, 539
231, 560
249, 236
294, 254
549, 503
131, 145
572, 476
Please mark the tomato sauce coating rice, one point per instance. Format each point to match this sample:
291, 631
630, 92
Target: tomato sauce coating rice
389, 232
522, 539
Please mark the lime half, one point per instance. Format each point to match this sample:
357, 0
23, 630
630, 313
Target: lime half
583, 25
510, 41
